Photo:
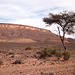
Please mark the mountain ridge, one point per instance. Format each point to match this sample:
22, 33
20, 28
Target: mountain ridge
22, 26
8, 32
21, 35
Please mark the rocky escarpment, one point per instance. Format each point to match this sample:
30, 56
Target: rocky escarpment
25, 34
6, 25
14, 35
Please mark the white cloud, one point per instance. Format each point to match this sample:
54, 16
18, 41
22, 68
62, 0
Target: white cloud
31, 12
32, 22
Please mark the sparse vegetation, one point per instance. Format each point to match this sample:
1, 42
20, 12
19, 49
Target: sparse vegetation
41, 63
10, 53
46, 52
58, 55
33, 60
66, 55
52, 63
12, 56
42, 73
47, 73
4, 52
53, 51
18, 61
28, 48
25, 62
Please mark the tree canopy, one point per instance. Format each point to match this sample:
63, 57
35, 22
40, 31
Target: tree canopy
65, 22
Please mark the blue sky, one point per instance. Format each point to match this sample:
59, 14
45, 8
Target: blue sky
31, 12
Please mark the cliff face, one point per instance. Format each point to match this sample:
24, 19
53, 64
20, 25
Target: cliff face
5, 25
25, 34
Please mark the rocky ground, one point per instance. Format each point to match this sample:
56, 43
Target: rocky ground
33, 65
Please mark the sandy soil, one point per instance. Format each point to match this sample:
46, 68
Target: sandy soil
32, 65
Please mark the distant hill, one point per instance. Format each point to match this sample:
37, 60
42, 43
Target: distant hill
14, 33
25, 34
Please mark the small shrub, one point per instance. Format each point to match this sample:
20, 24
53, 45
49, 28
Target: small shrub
18, 62
42, 73
4, 52
51, 73
46, 52
28, 48
1, 62
53, 51
52, 63
10, 53
41, 63
58, 55
56, 48
12, 56
66, 55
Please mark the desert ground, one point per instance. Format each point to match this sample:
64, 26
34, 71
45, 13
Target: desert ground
32, 64
15, 38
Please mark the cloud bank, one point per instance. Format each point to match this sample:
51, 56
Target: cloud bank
31, 12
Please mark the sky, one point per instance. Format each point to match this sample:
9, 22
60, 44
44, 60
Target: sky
32, 12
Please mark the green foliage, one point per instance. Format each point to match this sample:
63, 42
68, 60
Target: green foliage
52, 63
49, 51
18, 62
66, 55
1, 62
28, 48
41, 63
53, 51
65, 21
57, 52
58, 55
12, 56
46, 52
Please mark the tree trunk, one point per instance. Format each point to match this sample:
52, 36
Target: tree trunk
62, 38
63, 44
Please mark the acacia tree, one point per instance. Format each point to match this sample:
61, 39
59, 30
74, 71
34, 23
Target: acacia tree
65, 22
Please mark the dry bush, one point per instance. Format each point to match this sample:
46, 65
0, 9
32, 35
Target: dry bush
46, 52
10, 53
58, 55
18, 61
28, 48
49, 51
66, 55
